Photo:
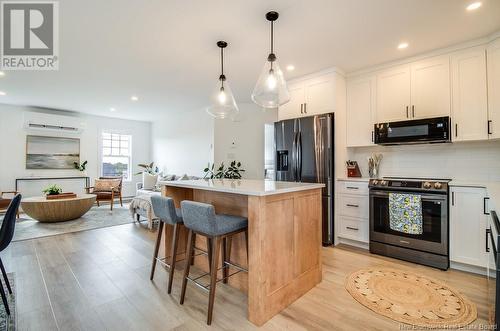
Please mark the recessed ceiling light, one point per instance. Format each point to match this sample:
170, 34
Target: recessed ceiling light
134, 98
290, 67
2, 73
112, 109
2, 93
403, 45
474, 5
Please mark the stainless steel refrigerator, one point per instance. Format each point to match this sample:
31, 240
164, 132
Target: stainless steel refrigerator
304, 152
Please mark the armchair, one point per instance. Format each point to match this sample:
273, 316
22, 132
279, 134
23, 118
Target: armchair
5, 201
107, 189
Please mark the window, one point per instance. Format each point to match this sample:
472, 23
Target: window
116, 155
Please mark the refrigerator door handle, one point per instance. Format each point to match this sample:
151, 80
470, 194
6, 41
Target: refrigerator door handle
299, 156
294, 157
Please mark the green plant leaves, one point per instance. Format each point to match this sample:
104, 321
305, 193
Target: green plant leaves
232, 172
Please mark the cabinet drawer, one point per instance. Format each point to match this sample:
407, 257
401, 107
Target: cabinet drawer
359, 188
354, 206
354, 229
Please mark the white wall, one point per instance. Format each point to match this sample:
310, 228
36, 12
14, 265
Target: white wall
13, 145
182, 143
471, 161
244, 139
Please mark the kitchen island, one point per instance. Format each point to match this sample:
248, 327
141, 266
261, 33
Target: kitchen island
284, 237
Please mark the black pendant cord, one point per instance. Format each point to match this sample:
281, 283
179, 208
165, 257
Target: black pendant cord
271, 58
222, 77
272, 37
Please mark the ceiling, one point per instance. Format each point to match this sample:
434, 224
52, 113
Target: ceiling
165, 52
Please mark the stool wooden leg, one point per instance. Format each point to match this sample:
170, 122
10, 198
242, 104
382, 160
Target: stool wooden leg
209, 253
216, 241
157, 247
190, 254
225, 258
187, 247
174, 257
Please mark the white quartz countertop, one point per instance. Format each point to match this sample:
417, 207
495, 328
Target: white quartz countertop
244, 186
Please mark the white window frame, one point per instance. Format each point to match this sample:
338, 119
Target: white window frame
130, 152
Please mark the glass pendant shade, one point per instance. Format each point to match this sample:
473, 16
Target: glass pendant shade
222, 103
271, 90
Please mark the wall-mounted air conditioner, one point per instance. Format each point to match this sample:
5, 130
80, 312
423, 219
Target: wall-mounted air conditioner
53, 123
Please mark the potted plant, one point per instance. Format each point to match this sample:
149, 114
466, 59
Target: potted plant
149, 175
52, 190
82, 167
232, 172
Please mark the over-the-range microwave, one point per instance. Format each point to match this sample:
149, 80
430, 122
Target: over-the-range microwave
428, 130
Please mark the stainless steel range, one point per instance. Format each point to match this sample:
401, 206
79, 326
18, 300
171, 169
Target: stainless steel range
429, 244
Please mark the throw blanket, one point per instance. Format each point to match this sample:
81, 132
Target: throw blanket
405, 213
143, 202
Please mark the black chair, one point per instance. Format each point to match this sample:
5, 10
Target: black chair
6, 234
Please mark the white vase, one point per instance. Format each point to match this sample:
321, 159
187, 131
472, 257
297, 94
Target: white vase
149, 181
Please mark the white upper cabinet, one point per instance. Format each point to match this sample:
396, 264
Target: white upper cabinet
310, 97
418, 90
470, 97
320, 95
360, 111
294, 107
393, 94
430, 87
493, 61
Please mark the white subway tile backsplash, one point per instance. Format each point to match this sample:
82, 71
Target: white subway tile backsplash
460, 161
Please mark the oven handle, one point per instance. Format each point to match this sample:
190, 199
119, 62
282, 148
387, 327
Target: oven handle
423, 196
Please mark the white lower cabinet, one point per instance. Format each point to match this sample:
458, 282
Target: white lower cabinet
468, 222
353, 209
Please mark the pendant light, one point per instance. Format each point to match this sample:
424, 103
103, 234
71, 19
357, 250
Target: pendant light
271, 90
222, 104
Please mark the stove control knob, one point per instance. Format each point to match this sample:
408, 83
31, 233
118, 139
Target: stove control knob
438, 185
374, 182
427, 185
383, 183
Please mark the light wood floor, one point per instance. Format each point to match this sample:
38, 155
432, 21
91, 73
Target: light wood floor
99, 280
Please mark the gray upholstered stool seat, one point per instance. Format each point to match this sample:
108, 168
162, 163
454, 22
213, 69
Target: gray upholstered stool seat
164, 209
200, 219
229, 223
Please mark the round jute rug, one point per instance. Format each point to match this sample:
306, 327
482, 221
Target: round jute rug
410, 298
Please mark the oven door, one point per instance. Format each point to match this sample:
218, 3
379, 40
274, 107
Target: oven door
434, 237
492, 236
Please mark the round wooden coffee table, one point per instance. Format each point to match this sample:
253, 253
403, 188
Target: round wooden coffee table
59, 210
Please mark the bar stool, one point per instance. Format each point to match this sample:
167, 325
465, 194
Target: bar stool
200, 218
164, 209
